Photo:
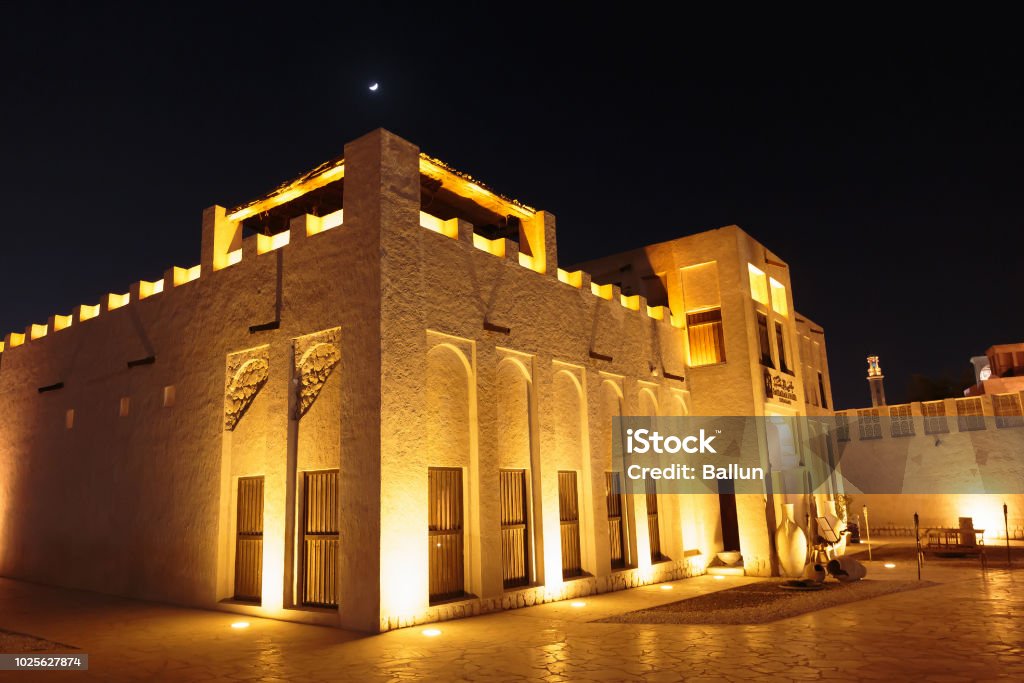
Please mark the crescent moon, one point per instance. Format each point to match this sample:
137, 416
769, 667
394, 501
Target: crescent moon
374, 87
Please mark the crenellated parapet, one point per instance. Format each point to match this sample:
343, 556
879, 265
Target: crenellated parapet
224, 245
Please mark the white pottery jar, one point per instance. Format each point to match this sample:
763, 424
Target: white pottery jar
791, 544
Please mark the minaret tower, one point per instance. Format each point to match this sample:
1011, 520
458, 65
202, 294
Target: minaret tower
875, 378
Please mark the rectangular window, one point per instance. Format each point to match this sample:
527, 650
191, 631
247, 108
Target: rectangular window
515, 539
616, 537
902, 423
764, 343
569, 514
969, 414
779, 303
780, 343
935, 417
320, 539
653, 530
249, 540
758, 284
870, 423
447, 569
821, 391
842, 427
707, 342
1007, 410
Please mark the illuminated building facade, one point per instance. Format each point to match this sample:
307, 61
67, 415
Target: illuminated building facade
378, 401
941, 459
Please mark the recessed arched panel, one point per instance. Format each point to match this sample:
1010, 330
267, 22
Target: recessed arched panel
448, 414
648, 404
513, 428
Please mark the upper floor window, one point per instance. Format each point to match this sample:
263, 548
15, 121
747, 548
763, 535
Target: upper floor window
902, 422
758, 284
1007, 410
821, 390
870, 423
763, 340
707, 341
780, 343
934, 417
780, 304
970, 416
842, 427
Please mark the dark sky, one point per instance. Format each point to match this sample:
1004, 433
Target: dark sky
885, 168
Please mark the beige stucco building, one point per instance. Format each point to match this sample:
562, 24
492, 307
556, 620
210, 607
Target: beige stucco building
378, 401
943, 459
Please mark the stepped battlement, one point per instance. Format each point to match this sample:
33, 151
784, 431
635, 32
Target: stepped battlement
454, 204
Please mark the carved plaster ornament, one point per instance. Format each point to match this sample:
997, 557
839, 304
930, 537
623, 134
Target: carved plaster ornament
247, 372
316, 356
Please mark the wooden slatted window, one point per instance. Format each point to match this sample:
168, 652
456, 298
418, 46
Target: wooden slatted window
569, 513
445, 529
969, 414
249, 540
842, 427
616, 537
780, 345
653, 528
902, 423
320, 542
764, 343
707, 342
870, 423
935, 417
1007, 410
515, 545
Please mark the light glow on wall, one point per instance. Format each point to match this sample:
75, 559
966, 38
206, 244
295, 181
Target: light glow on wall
115, 301
17, 339
630, 302
448, 228
233, 257
37, 331
88, 312
148, 289
656, 312
603, 291
265, 243
331, 220
575, 278
185, 275
495, 246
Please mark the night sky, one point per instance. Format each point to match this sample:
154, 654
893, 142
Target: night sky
886, 169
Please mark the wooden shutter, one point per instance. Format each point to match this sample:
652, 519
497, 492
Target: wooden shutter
707, 342
447, 575
249, 540
653, 530
613, 496
569, 512
320, 539
515, 550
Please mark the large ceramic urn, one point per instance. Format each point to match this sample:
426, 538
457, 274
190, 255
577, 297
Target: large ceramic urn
791, 544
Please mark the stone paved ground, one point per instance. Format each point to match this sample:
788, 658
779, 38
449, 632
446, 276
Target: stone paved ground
969, 627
